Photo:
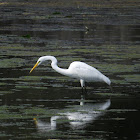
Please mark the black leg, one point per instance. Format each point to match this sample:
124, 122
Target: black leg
84, 92
111, 89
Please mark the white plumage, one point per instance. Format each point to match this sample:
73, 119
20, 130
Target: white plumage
77, 69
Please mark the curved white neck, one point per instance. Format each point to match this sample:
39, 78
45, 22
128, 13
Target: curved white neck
55, 67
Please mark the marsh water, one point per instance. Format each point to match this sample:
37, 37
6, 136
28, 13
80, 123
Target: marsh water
47, 105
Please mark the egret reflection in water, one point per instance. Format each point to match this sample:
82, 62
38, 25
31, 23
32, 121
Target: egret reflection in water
77, 117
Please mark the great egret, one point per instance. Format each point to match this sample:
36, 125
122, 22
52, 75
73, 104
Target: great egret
78, 70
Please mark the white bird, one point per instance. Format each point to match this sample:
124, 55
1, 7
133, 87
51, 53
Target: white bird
77, 69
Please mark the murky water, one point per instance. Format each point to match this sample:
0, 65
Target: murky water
47, 105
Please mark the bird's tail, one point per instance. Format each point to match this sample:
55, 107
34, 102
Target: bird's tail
106, 80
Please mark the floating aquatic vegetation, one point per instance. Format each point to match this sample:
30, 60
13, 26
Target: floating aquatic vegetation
5, 92
27, 36
30, 29
12, 63
131, 78
56, 13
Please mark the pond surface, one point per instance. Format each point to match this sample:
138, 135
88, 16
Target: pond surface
47, 105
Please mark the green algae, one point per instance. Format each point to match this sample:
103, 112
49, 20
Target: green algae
5, 92
12, 63
8, 112
131, 78
35, 111
30, 78
115, 68
118, 62
112, 94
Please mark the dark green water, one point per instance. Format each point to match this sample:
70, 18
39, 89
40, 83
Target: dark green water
47, 105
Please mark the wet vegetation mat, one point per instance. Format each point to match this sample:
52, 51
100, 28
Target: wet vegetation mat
47, 105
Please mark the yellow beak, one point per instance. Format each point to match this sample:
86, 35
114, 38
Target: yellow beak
34, 67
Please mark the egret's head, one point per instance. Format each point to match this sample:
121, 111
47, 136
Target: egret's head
39, 61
